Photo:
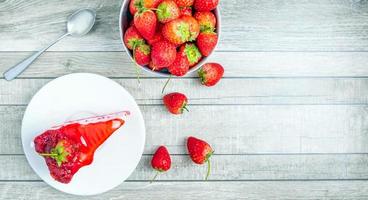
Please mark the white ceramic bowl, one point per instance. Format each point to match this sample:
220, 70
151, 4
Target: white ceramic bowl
124, 20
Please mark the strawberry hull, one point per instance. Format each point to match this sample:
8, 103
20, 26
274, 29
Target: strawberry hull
70, 147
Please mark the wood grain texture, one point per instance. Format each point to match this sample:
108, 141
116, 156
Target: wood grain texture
237, 129
247, 91
200, 190
229, 167
237, 64
253, 25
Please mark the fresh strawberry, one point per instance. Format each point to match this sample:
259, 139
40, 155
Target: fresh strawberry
186, 11
206, 20
193, 27
211, 73
142, 54
205, 5
184, 3
176, 31
191, 52
175, 102
163, 54
158, 35
132, 38
145, 22
155, 3
135, 5
200, 152
153, 67
167, 11
206, 42
161, 161
180, 66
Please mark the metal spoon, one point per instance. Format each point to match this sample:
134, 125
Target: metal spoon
79, 24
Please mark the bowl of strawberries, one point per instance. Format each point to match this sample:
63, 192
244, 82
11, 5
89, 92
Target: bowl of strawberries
169, 37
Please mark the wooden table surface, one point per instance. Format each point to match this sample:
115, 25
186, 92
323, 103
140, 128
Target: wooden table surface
289, 120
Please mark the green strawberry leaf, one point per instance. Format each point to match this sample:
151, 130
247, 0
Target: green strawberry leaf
58, 153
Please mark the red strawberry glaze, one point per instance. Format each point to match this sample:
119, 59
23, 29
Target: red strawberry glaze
79, 140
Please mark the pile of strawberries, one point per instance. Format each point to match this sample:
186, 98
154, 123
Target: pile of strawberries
171, 35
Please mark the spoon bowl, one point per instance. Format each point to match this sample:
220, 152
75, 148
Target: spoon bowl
81, 22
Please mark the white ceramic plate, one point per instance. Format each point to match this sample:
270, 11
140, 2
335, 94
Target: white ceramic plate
82, 95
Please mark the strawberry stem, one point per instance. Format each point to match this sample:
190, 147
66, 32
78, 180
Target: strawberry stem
208, 169
48, 154
155, 176
163, 89
137, 67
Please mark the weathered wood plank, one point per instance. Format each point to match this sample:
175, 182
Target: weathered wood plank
228, 91
237, 129
253, 25
237, 64
200, 190
229, 167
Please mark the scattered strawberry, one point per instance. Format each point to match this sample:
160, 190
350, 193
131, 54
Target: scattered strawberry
175, 102
191, 52
163, 54
142, 54
211, 73
186, 11
206, 20
206, 42
145, 22
193, 27
167, 11
205, 5
132, 38
184, 3
200, 152
161, 161
176, 31
180, 66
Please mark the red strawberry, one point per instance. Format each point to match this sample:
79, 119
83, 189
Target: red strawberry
205, 5
180, 66
163, 54
156, 3
186, 11
142, 54
167, 11
153, 67
135, 5
161, 160
175, 102
158, 35
206, 42
206, 20
191, 52
132, 38
193, 27
200, 152
184, 3
211, 73
176, 31
145, 22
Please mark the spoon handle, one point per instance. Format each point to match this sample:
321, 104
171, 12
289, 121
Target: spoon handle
20, 67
